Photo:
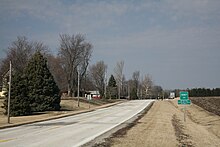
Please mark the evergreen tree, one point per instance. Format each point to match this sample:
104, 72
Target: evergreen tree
112, 82
134, 93
19, 102
42, 89
112, 87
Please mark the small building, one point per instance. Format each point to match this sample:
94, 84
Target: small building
92, 95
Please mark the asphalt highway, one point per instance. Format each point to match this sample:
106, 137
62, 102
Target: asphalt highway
73, 130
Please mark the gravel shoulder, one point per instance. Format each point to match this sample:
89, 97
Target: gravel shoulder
163, 125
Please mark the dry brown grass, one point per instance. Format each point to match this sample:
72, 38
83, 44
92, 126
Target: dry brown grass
164, 125
181, 136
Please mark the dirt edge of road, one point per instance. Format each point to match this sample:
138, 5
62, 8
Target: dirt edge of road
181, 136
119, 131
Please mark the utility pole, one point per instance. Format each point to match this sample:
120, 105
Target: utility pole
128, 90
105, 82
78, 87
119, 89
9, 93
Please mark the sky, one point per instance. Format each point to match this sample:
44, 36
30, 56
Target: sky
176, 42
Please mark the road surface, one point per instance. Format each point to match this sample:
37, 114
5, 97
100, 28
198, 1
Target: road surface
74, 130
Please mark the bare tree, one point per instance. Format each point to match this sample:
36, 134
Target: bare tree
119, 76
124, 88
157, 91
75, 54
136, 79
87, 83
97, 74
55, 66
19, 52
147, 85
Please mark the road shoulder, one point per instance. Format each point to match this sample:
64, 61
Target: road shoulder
164, 125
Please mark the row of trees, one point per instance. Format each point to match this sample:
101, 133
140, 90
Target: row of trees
200, 92
203, 92
35, 70
118, 87
72, 61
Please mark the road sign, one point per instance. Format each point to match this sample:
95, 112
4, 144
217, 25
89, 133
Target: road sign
184, 102
184, 98
184, 95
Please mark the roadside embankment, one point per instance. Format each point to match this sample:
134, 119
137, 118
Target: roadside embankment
164, 125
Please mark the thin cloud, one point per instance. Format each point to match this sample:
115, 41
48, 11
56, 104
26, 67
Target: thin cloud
157, 32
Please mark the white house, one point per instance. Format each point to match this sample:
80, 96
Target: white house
93, 95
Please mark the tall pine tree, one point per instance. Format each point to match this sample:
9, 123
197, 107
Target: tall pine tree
112, 82
112, 87
43, 92
19, 102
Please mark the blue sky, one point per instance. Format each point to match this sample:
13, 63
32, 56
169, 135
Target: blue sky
177, 42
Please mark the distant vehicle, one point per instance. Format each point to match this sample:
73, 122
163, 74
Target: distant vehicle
172, 95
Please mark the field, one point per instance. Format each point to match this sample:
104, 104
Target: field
211, 104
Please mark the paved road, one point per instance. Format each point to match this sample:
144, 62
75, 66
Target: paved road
71, 131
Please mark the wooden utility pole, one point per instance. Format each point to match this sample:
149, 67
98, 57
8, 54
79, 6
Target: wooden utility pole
78, 88
9, 93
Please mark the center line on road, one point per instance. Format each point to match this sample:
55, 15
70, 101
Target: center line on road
6, 140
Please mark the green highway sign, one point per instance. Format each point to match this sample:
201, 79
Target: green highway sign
184, 95
184, 102
184, 98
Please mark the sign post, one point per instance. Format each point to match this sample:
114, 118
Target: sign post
184, 100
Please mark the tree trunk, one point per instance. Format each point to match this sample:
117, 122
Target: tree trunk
70, 91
